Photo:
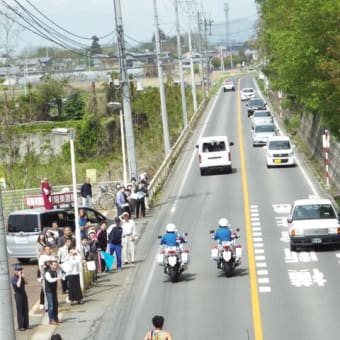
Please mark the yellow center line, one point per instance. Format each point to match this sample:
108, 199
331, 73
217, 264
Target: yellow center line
257, 323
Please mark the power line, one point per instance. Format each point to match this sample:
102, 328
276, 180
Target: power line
65, 30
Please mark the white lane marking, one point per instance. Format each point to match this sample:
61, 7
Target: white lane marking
256, 224
258, 245
305, 278
282, 208
256, 228
285, 237
262, 272
281, 221
259, 251
264, 289
261, 264
257, 233
189, 165
293, 257
263, 280
260, 257
257, 239
255, 219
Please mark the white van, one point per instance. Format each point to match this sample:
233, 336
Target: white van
214, 154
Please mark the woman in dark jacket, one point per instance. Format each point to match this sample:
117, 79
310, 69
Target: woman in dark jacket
102, 244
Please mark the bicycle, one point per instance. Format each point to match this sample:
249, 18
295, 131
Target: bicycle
104, 199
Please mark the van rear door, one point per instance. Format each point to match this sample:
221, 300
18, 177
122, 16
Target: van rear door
22, 234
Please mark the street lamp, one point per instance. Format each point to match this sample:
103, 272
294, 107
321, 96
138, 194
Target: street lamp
118, 106
70, 133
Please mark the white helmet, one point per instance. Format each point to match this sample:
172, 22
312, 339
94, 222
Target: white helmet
223, 222
170, 228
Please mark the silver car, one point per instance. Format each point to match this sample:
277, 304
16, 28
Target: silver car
261, 132
261, 116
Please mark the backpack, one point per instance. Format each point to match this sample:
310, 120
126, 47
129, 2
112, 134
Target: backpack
115, 236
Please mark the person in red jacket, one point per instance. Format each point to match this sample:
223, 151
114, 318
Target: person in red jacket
46, 191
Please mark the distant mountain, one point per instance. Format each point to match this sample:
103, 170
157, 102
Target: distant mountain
241, 30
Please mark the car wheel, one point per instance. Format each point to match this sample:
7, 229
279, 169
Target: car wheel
202, 172
268, 166
224, 90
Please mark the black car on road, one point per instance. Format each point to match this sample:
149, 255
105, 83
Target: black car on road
256, 104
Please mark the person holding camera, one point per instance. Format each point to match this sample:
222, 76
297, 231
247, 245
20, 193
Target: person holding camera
20, 296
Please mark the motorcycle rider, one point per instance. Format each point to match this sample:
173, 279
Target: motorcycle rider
170, 238
222, 234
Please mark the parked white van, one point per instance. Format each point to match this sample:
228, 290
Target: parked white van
214, 154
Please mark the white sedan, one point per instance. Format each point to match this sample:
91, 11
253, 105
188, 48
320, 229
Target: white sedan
247, 93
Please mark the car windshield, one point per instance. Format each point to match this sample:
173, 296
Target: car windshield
279, 145
313, 211
264, 128
257, 102
261, 114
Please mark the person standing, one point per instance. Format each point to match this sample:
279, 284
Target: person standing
86, 193
121, 201
67, 235
102, 245
51, 278
84, 223
141, 193
128, 238
63, 253
20, 296
46, 256
73, 277
115, 241
46, 191
158, 332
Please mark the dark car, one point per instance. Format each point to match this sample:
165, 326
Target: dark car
256, 104
93, 216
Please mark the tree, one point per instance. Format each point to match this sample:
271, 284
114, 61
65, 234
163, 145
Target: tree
301, 41
95, 47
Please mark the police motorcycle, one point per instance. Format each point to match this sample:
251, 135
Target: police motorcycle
173, 257
227, 254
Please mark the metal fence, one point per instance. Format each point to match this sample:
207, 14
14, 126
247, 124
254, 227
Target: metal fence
16, 199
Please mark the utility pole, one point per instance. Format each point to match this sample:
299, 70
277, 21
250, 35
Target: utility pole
180, 65
207, 23
161, 84
130, 141
6, 309
192, 71
227, 34
199, 22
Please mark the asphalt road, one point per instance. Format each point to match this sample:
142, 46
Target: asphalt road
275, 294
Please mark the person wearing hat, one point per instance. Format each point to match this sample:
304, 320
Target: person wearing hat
115, 240
20, 296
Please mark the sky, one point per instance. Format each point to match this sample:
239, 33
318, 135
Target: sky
96, 17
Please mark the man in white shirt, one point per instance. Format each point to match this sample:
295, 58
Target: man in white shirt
129, 236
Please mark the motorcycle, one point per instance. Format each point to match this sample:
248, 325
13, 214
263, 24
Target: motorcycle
227, 254
174, 259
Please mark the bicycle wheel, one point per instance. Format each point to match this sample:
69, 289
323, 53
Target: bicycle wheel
106, 201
